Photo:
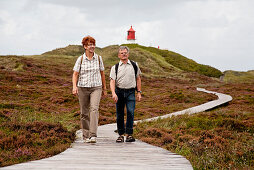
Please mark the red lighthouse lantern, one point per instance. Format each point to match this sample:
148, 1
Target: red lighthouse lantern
131, 35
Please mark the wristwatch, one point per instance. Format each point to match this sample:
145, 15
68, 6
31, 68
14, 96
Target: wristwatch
139, 91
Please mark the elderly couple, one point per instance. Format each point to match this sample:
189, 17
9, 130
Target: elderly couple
89, 84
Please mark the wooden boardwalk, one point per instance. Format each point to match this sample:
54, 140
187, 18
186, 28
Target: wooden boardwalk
107, 154
222, 99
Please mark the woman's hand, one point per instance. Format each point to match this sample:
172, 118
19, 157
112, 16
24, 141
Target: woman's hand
75, 90
74, 83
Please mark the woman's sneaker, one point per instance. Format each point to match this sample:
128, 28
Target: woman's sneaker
87, 140
93, 140
90, 140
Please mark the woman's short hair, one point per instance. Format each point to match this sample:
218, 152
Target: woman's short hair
88, 39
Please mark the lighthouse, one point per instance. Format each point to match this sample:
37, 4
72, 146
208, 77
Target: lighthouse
131, 35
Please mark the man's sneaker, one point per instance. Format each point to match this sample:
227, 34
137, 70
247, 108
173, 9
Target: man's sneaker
130, 138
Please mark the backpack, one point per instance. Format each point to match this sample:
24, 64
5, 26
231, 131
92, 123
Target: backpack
135, 69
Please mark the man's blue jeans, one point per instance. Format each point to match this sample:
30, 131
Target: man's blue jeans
126, 97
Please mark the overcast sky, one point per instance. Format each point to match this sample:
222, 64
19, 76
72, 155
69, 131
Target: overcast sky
219, 33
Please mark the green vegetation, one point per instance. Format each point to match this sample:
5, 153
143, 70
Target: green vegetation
152, 65
152, 60
236, 76
180, 61
71, 50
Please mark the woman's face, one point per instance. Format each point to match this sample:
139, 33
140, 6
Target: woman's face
90, 47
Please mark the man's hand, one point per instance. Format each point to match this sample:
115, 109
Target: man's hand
75, 90
139, 96
114, 97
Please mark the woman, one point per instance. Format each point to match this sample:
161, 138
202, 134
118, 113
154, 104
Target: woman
89, 83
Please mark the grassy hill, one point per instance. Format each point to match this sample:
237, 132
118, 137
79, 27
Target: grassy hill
71, 50
153, 61
39, 115
181, 62
237, 76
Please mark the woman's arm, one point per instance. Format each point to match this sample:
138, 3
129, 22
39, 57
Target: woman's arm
74, 82
104, 88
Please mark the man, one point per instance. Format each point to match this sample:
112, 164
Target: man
124, 78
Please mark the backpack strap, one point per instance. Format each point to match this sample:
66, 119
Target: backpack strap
116, 69
99, 61
80, 64
80, 67
136, 71
135, 67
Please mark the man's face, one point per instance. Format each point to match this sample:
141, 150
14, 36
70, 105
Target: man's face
123, 54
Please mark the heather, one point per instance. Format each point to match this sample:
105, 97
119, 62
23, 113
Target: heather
39, 115
218, 139
37, 112
33, 140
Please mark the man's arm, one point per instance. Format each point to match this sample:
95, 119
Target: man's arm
139, 88
112, 88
